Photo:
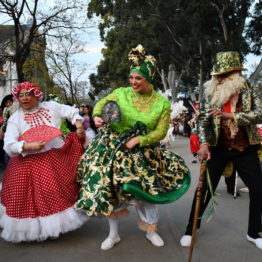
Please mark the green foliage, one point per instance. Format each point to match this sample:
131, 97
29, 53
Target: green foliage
254, 30
172, 31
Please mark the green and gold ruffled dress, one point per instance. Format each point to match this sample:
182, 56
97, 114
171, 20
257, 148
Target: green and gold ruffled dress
111, 175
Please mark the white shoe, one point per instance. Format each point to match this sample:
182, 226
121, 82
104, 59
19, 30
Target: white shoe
256, 241
155, 239
185, 241
244, 189
110, 242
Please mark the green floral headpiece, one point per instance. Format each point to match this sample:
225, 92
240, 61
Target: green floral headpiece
142, 64
227, 62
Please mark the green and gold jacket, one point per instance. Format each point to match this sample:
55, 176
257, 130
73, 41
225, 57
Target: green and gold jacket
209, 127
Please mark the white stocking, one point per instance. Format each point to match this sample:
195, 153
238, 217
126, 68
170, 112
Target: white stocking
113, 227
113, 237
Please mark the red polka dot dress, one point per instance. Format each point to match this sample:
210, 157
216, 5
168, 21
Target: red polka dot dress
39, 190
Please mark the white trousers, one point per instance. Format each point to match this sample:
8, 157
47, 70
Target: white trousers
148, 213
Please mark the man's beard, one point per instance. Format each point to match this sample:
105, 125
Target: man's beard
220, 93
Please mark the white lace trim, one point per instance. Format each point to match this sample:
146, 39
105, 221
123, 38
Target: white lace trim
40, 228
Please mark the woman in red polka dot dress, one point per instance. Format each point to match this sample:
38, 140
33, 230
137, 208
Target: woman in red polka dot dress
39, 186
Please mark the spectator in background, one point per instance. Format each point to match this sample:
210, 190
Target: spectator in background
86, 116
88, 119
187, 128
6, 104
88, 124
81, 109
9, 107
194, 142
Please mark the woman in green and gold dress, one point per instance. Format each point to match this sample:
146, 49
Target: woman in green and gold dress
124, 164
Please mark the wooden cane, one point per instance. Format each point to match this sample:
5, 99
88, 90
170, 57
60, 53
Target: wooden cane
235, 186
193, 107
197, 207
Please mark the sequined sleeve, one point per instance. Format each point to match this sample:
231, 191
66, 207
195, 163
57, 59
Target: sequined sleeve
204, 123
160, 131
6, 117
254, 115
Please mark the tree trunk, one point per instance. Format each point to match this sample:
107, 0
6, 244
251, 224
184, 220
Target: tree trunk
192, 93
222, 20
20, 74
201, 77
72, 94
65, 94
171, 81
163, 78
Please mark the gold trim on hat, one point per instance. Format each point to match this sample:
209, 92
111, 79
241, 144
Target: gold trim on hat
228, 71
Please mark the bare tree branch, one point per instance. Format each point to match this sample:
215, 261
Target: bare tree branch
221, 18
42, 23
64, 68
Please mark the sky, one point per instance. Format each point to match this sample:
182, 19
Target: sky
251, 63
93, 54
93, 47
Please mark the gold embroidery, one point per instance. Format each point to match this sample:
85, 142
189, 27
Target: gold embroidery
139, 99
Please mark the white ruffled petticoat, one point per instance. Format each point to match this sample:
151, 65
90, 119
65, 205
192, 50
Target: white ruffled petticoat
37, 203
40, 228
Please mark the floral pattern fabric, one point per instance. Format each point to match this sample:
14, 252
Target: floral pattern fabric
107, 165
227, 62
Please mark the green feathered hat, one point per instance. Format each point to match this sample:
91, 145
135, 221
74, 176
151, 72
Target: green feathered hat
142, 64
227, 62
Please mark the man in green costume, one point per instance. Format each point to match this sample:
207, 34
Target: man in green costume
228, 133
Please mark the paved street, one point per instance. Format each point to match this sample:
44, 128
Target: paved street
222, 239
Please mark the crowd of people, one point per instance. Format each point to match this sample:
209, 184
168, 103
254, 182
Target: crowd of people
65, 164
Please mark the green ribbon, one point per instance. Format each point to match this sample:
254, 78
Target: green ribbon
211, 209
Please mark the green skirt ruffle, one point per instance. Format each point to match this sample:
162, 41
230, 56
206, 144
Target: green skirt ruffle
110, 174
